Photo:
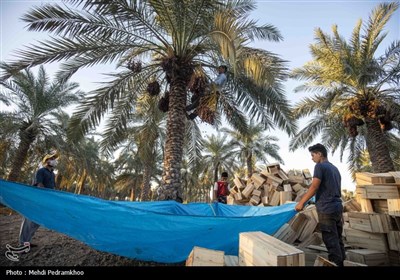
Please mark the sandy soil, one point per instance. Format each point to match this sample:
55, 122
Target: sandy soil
54, 249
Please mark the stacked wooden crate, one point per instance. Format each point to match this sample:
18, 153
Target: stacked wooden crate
260, 249
375, 230
270, 187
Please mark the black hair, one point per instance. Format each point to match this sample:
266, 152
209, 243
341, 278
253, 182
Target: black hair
225, 68
224, 174
318, 148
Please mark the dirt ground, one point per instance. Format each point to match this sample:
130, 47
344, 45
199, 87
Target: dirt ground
54, 249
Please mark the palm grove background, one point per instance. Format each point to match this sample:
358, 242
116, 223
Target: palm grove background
175, 46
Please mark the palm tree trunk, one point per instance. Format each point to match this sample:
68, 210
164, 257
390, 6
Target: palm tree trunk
132, 194
82, 182
377, 147
27, 137
249, 163
173, 151
145, 188
216, 172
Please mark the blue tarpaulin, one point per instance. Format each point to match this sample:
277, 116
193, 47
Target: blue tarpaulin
161, 231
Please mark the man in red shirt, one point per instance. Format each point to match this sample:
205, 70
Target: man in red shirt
222, 188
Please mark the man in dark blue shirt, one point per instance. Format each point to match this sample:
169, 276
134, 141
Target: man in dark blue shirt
44, 178
326, 185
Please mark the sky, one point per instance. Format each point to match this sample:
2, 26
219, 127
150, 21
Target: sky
296, 20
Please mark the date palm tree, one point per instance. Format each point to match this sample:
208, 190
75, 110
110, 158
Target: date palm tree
253, 146
33, 99
164, 41
146, 128
218, 156
355, 88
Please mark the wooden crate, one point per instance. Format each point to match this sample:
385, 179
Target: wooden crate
350, 263
378, 192
368, 257
286, 234
231, 260
374, 178
366, 240
205, 257
396, 176
260, 249
321, 261
394, 207
394, 240
369, 222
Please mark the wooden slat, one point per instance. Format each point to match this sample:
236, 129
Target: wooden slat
394, 240
256, 193
273, 167
367, 240
285, 196
378, 192
296, 179
282, 174
238, 183
258, 180
205, 257
368, 257
394, 207
321, 261
287, 188
300, 194
231, 260
380, 205
308, 229
307, 174
274, 199
248, 190
366, 205
272, 178
375, 178
297, 187
350, 263
351, 205
286, 234
255, 200
396, 176
313, 239
369, 222
261, 249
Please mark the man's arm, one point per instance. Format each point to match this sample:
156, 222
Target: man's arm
310, 193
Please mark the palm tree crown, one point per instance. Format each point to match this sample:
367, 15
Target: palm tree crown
163, 42
33, 100
354, 87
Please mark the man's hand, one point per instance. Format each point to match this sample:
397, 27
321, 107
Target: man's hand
299, 206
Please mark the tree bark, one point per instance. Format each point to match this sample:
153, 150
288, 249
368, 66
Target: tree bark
82, 181
27, 137
216, 171
173, 151
249, 163
377, 147
145, 188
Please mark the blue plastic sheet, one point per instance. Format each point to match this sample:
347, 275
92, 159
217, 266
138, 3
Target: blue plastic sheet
162, 231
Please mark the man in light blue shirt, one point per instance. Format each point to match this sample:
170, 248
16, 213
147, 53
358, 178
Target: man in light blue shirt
219, 83
221, 78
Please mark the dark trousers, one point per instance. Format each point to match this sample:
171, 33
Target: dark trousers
331, 226
222, 199
195, 103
